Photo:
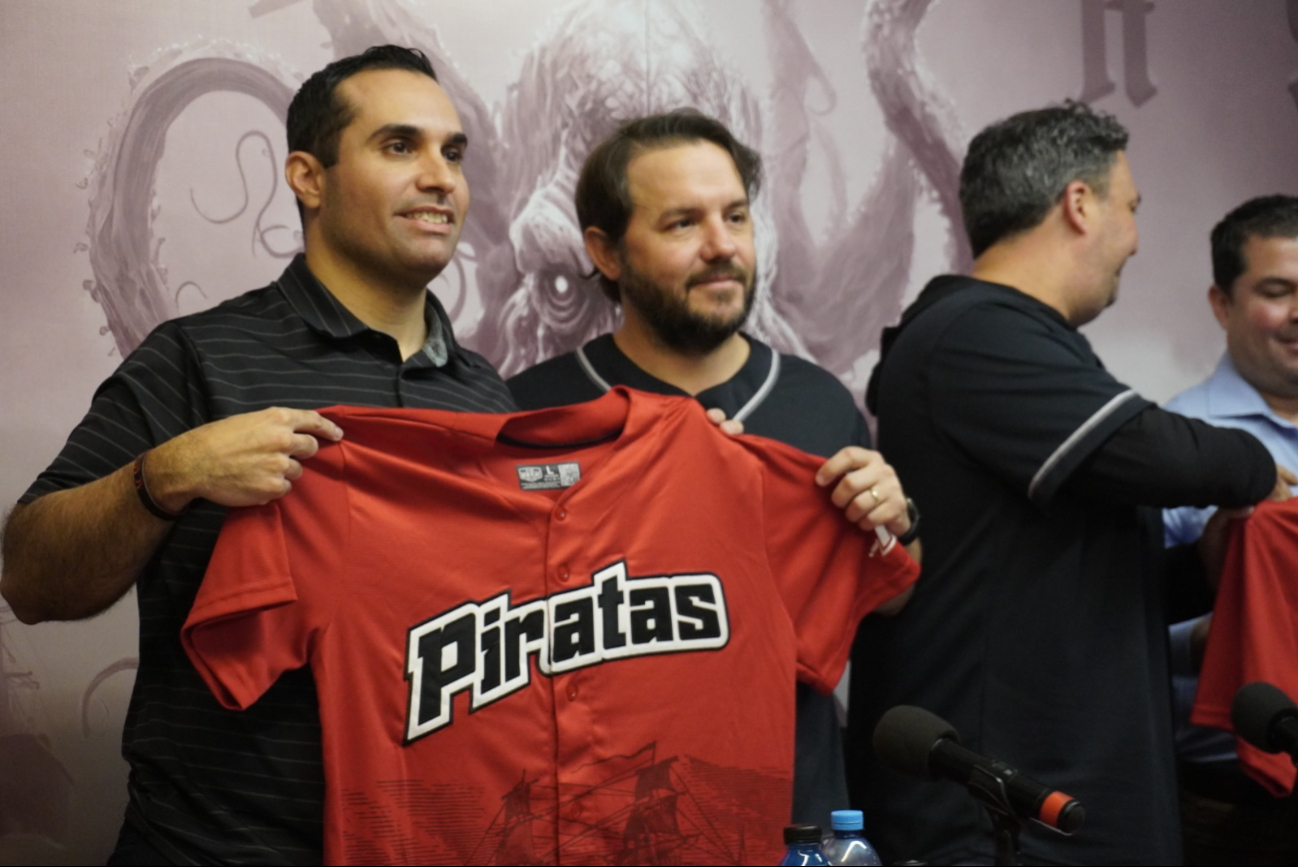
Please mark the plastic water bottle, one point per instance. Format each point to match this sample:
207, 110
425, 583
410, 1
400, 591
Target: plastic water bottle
802, 845
846, 845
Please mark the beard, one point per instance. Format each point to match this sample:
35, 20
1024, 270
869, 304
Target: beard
669, 316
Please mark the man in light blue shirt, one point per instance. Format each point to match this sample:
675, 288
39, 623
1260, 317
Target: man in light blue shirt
1226, 817
1227, 399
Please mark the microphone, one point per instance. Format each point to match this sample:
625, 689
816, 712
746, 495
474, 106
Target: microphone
1264, 716
913, 741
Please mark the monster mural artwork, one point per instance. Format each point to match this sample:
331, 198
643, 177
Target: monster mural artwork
838, 244
597, 65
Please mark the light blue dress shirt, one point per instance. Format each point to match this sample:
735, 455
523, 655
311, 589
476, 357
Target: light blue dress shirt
1226, 400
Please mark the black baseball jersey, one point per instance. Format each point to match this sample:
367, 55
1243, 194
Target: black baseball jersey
780, 396
1038, 630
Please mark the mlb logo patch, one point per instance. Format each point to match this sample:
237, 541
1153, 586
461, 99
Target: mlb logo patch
548, 477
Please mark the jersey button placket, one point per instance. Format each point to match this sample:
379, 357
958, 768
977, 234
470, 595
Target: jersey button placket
559, 532
572, 708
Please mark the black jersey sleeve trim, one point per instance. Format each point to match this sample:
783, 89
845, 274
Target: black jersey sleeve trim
1047, 481
1159, 458
764, 391
589, 370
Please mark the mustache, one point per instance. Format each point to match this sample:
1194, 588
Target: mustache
728, 271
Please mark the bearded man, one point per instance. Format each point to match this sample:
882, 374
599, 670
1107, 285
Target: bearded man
664, 206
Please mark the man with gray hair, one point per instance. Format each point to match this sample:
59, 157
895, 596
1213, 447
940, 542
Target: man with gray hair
1039, 629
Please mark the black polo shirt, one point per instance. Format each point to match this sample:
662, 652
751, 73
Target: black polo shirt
1037, 629
209, 785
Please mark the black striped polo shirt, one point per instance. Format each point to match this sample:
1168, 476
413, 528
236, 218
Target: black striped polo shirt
209, 785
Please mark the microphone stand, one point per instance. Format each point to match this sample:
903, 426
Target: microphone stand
989, 789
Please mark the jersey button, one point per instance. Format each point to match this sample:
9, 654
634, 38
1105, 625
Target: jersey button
561, 514
572, 693
564, 575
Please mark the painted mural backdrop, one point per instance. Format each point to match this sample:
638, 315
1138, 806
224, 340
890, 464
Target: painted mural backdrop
146, 142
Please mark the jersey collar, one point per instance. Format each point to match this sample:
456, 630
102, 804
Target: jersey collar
621, 414
606, 364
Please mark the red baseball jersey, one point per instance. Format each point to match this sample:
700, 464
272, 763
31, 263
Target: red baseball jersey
566, 636
1254, 633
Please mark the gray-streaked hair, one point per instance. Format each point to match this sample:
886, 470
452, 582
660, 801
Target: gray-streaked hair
1016, 169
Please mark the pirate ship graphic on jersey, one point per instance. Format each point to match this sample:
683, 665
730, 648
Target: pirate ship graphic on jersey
636, 809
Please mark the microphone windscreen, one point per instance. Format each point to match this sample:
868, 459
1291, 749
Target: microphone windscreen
905, 736
1256, 708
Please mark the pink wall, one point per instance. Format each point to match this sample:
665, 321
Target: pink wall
862, 108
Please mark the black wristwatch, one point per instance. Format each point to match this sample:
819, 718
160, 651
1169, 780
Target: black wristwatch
913, 533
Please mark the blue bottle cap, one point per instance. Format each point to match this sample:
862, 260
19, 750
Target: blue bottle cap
846, 820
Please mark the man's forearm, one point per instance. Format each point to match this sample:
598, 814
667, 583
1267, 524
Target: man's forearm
916, 551
71, 554
1160, 458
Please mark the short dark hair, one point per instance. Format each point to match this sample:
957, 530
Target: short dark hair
317, 115
603, 196
1017, 168
1263, 217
